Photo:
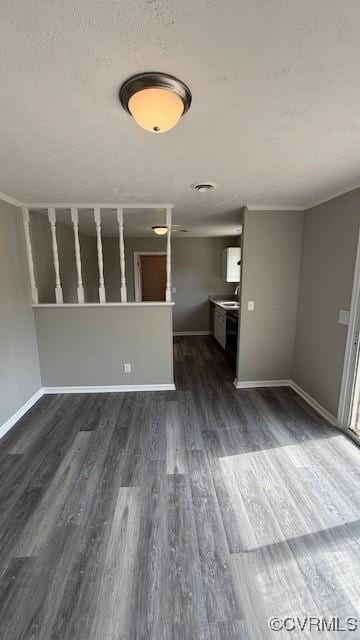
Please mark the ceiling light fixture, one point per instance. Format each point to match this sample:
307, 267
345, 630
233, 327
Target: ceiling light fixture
155, 100
159, 230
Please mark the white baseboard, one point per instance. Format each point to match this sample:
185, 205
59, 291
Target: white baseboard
4, 428
191, 333
112, 388
314, 403
249, 384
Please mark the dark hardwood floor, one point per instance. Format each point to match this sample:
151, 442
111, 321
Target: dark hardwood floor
190, 515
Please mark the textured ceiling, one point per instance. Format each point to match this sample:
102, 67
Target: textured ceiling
274, 119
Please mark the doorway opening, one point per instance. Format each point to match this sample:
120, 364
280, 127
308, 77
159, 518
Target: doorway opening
349, 404
150, 276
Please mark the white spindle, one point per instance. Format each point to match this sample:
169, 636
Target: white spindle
80, 287
34, 291
58, 289
120, 219
168, 256
97, 217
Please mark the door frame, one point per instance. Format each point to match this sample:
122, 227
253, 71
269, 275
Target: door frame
137, 271
347, 382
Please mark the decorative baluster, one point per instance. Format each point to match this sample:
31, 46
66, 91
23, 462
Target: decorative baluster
168, 256
58, 289
34, 291
120, 219
80, 287
97, 217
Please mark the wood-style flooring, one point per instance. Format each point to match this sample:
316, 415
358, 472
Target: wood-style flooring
190, 515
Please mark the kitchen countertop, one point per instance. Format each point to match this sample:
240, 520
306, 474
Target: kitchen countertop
223, 302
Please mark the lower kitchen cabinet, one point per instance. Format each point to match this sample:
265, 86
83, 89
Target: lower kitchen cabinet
220, 326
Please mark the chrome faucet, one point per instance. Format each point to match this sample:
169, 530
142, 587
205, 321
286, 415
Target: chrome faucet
236, 290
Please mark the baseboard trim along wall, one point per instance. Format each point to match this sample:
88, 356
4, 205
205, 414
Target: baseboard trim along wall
314, 404
122, 388
250, 384
247, 384
4, 428
191, 333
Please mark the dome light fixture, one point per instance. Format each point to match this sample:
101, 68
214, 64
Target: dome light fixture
156, 101
160, 230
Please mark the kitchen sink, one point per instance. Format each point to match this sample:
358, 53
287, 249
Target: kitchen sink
230, 305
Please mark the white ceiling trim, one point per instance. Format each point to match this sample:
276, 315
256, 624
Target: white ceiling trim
275, 207
9, 199
5, 197
81, 205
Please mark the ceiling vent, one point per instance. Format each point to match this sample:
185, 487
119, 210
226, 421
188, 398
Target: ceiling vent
204, 186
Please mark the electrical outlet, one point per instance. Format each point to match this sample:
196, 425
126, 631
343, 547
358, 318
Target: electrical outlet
174, 289
251, 305
127, 367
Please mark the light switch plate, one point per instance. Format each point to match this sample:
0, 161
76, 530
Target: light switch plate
174, 289
344, 316
127, 367
251, 305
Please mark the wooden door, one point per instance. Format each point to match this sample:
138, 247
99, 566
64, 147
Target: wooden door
153, 278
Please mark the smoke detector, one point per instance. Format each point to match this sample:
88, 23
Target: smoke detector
201, 187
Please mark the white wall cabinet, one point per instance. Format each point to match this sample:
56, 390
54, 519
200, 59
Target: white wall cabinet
220, 326
231, 268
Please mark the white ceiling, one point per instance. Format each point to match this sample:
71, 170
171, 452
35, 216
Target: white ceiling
274, 119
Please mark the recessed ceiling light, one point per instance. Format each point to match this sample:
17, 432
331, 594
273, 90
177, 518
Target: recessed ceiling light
155, 100
202, 187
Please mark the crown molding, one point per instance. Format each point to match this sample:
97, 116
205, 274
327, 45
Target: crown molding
275, 207
9, 199
96, 205
251, 207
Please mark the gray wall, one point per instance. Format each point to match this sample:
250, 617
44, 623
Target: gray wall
19, 364
328, 262
44, 262
271, 256
86, 346
196, 273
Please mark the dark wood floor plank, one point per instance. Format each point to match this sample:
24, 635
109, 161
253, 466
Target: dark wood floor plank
13, 526
230, 631
44, 518
192, 420
77, 609
34, 421
175, 440
40, 462
221, 601
115, 612
86, 481
152, 568
14, 584
187, 614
